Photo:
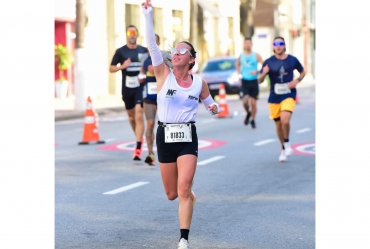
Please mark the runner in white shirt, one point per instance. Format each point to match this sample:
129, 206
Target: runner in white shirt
178, 94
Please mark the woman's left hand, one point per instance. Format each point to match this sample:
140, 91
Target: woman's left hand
213, 108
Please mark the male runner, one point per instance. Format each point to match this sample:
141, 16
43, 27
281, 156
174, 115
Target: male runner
246, 65
281, 101
130, 57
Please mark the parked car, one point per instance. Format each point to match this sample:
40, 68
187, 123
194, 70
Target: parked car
221, 70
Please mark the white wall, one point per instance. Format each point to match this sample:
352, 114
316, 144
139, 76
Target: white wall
96, 74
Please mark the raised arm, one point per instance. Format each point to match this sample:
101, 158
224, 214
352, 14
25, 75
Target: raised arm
161, 71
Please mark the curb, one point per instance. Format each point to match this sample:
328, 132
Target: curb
68, 115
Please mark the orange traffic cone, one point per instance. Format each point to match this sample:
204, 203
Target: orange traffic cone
91, 134
222, 103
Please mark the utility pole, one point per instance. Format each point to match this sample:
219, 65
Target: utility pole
276, 18
80, 60
194, 22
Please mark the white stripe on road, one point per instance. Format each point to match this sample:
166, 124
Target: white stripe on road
212, 159
264, 142
125, 188
208, 121
303, 130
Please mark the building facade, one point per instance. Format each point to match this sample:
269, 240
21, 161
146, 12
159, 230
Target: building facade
214, 30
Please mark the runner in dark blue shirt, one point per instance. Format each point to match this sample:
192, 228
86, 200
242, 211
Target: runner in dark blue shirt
280, 68
130, 57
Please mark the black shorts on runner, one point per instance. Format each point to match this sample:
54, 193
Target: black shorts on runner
131, 97
150, 101
250, 88
169, 152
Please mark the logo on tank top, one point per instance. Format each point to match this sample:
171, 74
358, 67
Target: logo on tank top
193, 98
170, 93
282, 73
248, 63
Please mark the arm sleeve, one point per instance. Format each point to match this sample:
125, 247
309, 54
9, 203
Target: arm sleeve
153, 48
209, 101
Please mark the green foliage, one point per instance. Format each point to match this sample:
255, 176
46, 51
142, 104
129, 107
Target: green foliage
63, 56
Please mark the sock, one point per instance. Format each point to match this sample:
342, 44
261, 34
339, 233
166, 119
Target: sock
286, 140
283, 146
138, 145
184, 233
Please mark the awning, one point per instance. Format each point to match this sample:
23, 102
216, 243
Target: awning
208, 6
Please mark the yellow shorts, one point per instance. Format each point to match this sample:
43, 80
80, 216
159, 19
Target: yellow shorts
287, 104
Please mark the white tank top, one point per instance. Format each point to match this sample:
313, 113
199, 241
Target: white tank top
176, 104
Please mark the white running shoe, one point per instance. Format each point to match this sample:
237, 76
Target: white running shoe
282, 156
183, 244
193, 197
288, 149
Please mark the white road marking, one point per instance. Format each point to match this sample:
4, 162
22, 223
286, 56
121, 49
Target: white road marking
113, 119
212, 159
110, 139
264, 142
125, 188
303, 130
74, 121
208, 121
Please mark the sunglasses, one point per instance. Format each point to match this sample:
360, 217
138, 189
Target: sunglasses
179, 50
279, 43
131, 32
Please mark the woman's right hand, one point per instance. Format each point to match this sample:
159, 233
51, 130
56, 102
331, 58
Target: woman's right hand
147, 7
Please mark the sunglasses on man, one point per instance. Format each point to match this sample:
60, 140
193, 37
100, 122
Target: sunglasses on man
131, 32
179, 50
278, 44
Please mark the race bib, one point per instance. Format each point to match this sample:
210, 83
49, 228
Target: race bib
177, 133
281, 88
132, 82
152, 87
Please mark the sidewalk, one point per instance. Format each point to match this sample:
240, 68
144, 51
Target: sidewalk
103, 105
109, 104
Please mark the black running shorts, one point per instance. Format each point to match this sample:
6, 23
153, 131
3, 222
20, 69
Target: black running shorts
169, 152
132, 97
250, 88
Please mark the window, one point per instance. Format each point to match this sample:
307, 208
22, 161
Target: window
158, 26
220, 65
177, 22
132, 15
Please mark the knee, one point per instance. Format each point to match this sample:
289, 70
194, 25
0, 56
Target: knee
284, 120
184, 189
139, 116
171, 195
131, 118
150, 124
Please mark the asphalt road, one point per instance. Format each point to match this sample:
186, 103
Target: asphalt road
246, 198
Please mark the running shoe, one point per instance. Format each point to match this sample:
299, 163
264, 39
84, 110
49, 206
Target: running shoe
288, 149
253, 124
193, 197
183, 244
246, 120
150, 159
282, 156
137, 155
